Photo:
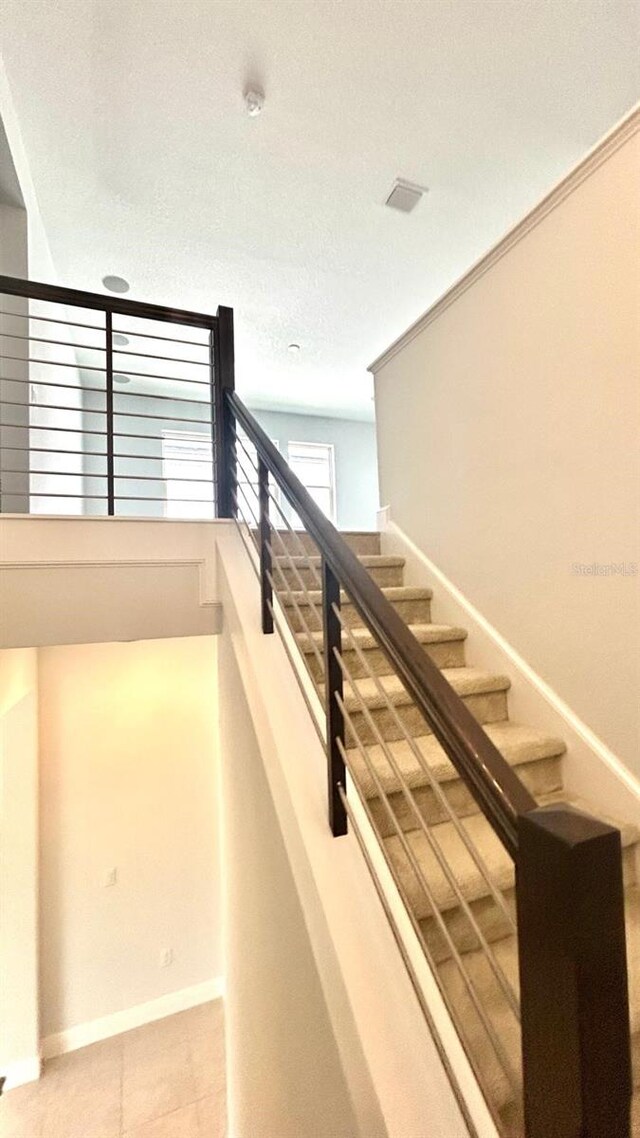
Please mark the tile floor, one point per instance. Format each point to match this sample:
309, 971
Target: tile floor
165, 1080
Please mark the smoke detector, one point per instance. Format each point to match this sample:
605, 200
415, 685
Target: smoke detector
405, 196
254, 101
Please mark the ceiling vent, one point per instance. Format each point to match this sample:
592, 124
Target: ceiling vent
405, 196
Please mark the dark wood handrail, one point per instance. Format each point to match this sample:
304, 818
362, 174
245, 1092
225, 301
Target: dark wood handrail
55, 294
495, 786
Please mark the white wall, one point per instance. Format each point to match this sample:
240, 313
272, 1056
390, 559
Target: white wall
508, 440
19, 1019
127, 781
24, 252
395, 1079
13, 241
40, 260
355, 459
284, 1070
14, 464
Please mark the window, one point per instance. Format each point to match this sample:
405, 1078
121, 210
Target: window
187, 471
314, 465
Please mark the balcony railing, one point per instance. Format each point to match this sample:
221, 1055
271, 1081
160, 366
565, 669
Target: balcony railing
109, 406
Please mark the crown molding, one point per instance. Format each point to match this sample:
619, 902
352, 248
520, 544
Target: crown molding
601, 152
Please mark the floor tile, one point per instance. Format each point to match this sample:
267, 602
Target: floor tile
21, 1112
212, 1113
182, 1123
156, 1082
155, 1037
207, 1045
164, 1080
208, 1064
80, 1093
96, 1115
206, 1017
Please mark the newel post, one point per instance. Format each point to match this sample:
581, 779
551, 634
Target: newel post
223, 380
573, 976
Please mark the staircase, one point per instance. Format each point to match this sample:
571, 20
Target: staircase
455, 810
425, 825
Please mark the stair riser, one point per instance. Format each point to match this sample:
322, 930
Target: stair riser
360, 543
412, 612
384, 575
422, 912
489, 707
491, 921
542, 776
447, 654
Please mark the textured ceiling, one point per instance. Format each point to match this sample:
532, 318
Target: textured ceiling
146, 165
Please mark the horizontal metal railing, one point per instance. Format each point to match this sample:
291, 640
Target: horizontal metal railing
494, 783
279, 552
103, 410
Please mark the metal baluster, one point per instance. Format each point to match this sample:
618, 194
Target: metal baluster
111, 492
266, 591
223, 381
333, 693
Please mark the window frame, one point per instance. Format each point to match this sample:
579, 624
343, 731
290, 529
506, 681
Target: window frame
171, 435
330, 449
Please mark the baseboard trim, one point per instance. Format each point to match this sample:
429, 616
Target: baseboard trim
21, 1072
623, 776
96, 1030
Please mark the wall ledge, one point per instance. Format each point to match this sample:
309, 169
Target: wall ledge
603, 150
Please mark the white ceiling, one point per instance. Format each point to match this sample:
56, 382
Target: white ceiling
146, 165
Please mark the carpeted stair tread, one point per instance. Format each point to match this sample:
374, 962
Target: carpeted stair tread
465, 681
517, 743
471, 882
501, 1017
424, 633
368, 560
391, 592
361, 542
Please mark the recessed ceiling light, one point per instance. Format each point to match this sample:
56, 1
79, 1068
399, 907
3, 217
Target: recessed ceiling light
120, 340
405, 196
115, 284
293, 348
121, 379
